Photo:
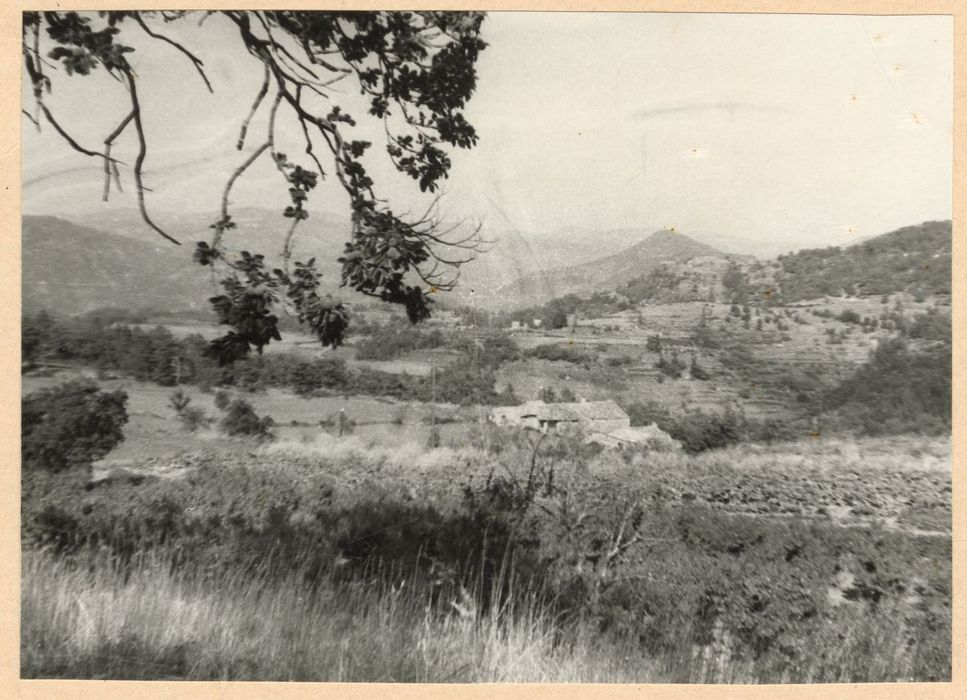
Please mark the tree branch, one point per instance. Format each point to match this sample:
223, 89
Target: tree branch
197, 62
255, 105
67, 137
219, 227
31, 118
142, 153
108, 169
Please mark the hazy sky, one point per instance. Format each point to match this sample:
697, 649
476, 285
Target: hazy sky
791, 131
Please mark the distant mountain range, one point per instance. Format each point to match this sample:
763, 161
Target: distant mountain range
120, 262
606, 273
72, 269
114, 260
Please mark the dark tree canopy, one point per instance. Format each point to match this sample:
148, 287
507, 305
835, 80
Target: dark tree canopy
416, 71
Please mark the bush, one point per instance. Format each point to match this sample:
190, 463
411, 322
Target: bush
194, 419
222, 399
560, 353
849, 316
70, 425
671, 366
240, 419
387, 343
646, 413
179, 401
701, 431
898, 390
697, 371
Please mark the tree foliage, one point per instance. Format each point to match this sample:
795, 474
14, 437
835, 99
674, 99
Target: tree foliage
70, 425
416, 72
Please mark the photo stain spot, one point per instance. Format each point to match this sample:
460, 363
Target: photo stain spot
815, 434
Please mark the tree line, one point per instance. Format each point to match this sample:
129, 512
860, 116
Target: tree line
110, 345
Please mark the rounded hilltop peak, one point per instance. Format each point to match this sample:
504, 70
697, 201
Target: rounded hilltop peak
668, 241
666, 233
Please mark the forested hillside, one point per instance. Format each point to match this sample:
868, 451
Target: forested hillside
913, 259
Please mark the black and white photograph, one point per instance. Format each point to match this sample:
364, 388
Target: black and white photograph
466, 347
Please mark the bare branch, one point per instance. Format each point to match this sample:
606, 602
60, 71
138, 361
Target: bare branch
219, 228
117, 176
255, 105
31, 118
199, 66
272, 113
107, 173
67, 137
309, 151
142, 153
108, 170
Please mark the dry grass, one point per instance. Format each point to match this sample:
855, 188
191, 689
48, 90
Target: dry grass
97, 624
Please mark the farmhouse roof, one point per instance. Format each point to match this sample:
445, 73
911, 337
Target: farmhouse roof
582, 411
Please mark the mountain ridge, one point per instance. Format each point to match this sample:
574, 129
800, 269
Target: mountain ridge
658, 248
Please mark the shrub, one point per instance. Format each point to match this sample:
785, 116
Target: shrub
931, 326
671, 366
179, 401
305, 379
698, 372
701, 431
70, 425
560, 353
194, 418
646, 413
240, 419
344, 424
849, 316
619, 360
898, 390
222, 399
387, 343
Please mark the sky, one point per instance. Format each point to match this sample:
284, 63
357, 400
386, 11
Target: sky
777, 131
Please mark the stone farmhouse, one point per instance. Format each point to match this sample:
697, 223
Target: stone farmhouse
604, 422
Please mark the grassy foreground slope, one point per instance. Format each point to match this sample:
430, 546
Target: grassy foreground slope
339, 561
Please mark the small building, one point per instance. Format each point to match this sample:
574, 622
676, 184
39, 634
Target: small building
604, 422
650, 435
592, 416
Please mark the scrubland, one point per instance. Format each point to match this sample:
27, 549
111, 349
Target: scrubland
501, 559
